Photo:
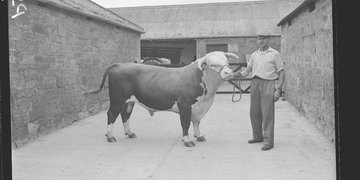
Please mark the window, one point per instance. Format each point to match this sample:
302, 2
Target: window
216, 47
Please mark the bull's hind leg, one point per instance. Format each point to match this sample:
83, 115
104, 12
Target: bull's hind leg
125, 115
113, 113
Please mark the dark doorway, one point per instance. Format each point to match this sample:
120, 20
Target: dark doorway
172, 49
162, 52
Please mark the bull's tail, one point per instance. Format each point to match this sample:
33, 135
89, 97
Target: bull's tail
102, 82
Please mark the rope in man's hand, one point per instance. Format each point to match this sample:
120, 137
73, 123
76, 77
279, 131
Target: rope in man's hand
237, 81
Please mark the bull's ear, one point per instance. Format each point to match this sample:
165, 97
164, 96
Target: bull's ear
201, 63
228, 54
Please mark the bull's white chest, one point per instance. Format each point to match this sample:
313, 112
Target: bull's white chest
203, 104
201, 107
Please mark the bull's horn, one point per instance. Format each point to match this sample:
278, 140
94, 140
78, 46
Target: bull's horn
228, 54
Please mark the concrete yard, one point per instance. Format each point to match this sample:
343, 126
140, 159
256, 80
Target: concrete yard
81, 151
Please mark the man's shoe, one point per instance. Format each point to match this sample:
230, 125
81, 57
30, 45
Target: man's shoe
266, 147
251, 141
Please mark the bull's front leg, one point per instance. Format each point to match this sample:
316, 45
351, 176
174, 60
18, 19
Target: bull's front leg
197, 134
185, 118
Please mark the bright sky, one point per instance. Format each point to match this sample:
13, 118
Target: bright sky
131, 3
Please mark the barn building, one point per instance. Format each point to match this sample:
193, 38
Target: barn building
183, 33
58, 50
307, 48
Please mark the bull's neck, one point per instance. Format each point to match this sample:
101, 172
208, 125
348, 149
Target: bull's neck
212, 79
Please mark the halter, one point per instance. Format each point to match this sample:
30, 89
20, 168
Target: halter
218, 73
236, 79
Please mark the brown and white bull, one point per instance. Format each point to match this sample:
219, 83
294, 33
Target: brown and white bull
188, 91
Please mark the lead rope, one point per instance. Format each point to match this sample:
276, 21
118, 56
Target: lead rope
239, 82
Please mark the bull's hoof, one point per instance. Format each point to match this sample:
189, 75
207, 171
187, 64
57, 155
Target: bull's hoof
189, 144
131, 135
201, 138
111, 139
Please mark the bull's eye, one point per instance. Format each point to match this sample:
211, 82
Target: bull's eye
214, 65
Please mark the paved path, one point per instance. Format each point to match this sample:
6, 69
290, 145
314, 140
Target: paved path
81, 151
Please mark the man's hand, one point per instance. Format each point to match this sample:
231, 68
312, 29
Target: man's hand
237, 75
277, 94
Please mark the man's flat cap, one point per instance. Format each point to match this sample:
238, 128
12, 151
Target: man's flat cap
263, 33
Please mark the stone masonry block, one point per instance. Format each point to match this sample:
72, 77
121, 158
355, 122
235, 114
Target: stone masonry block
18, 82
47, 83
30, 83
83, 115
23, 107
29, 93
60, 82
12, 58
45, 125
58, 122
20, 133
39, 28
19, 120
39, 59
43, 67
32, 129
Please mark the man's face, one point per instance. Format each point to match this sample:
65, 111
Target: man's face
263, 41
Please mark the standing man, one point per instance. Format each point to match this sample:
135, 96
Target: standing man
266, 67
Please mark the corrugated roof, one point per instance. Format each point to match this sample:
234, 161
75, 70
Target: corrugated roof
93, 10
295, 11
231, 19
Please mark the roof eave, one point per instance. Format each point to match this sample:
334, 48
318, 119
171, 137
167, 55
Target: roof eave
295, 12
52, 3
203, 37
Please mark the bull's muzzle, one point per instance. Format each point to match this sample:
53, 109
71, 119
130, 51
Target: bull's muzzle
226, 73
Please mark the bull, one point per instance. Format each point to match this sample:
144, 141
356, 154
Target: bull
188, 91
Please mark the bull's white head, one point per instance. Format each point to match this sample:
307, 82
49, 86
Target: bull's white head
217, 62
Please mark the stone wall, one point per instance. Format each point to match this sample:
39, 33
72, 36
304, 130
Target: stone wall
307, 48
56, 56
